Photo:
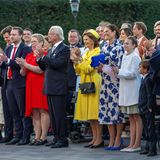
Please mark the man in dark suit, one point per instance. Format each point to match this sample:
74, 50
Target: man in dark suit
15, 87
74, 40
147, 104
8, 120
55, 84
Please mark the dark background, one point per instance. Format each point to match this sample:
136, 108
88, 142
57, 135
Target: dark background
40, 15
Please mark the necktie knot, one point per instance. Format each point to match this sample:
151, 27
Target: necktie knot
53, 48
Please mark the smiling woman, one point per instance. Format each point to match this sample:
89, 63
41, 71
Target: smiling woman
88, 104
36, 102
109, 111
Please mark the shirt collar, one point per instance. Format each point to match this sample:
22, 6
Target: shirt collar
140, 39
56, 44
16, 45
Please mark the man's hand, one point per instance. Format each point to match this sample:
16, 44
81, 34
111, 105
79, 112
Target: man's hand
20, 61
39, 52
75, 55
3, 58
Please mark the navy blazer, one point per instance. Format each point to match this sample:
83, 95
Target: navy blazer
22, 51
155, 70
72, 77
147, 100
55, 66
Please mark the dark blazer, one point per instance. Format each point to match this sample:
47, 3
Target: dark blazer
147, 99
55, 66
155, 70
22, 51
71, 74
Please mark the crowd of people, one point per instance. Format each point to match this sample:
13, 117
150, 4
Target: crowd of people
41, 73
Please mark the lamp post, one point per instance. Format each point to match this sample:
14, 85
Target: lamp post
75, 9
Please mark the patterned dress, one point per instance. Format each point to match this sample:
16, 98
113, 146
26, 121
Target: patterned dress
109, 111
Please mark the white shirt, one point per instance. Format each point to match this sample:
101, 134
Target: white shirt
12, 52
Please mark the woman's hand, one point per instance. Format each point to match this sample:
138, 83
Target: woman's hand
115, 69
23, 71
99, 68
39, 52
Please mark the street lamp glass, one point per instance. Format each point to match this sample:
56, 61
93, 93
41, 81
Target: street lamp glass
74, 5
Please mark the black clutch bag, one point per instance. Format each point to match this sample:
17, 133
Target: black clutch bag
87, 87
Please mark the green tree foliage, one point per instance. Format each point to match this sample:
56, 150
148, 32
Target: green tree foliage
39, 15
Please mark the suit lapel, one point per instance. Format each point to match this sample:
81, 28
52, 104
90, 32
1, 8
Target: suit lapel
9, 50
18, 50
57, 49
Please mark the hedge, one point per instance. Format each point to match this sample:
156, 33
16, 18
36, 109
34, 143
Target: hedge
39, 15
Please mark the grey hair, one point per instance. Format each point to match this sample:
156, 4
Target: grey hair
57, 30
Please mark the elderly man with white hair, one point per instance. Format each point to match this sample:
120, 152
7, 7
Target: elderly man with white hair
55, 84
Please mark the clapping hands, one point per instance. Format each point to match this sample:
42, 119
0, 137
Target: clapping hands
75, 55
20, 61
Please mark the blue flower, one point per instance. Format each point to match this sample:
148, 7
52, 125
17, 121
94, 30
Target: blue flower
107, 119
115, 104
110, 86
113, 112
102, 102
103, 108
114, 91
110, 99
101, 115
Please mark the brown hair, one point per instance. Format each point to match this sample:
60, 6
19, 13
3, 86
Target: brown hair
28, 29
134, 40
39, 37
6, 30
19, 29
113, 28
141, 25
127, 31
145, 64
91, 36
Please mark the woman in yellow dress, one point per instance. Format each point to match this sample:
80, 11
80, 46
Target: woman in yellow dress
88, 104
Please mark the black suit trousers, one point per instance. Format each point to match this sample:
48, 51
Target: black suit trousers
8, 120
57, 111
16, 100
149, 126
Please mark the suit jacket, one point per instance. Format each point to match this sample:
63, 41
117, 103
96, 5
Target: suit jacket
147, 99
141, 46
155, 70
22, 51
55, 66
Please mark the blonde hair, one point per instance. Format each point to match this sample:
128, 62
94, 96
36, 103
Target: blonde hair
39, 37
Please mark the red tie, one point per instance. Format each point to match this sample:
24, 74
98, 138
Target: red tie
9, 68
